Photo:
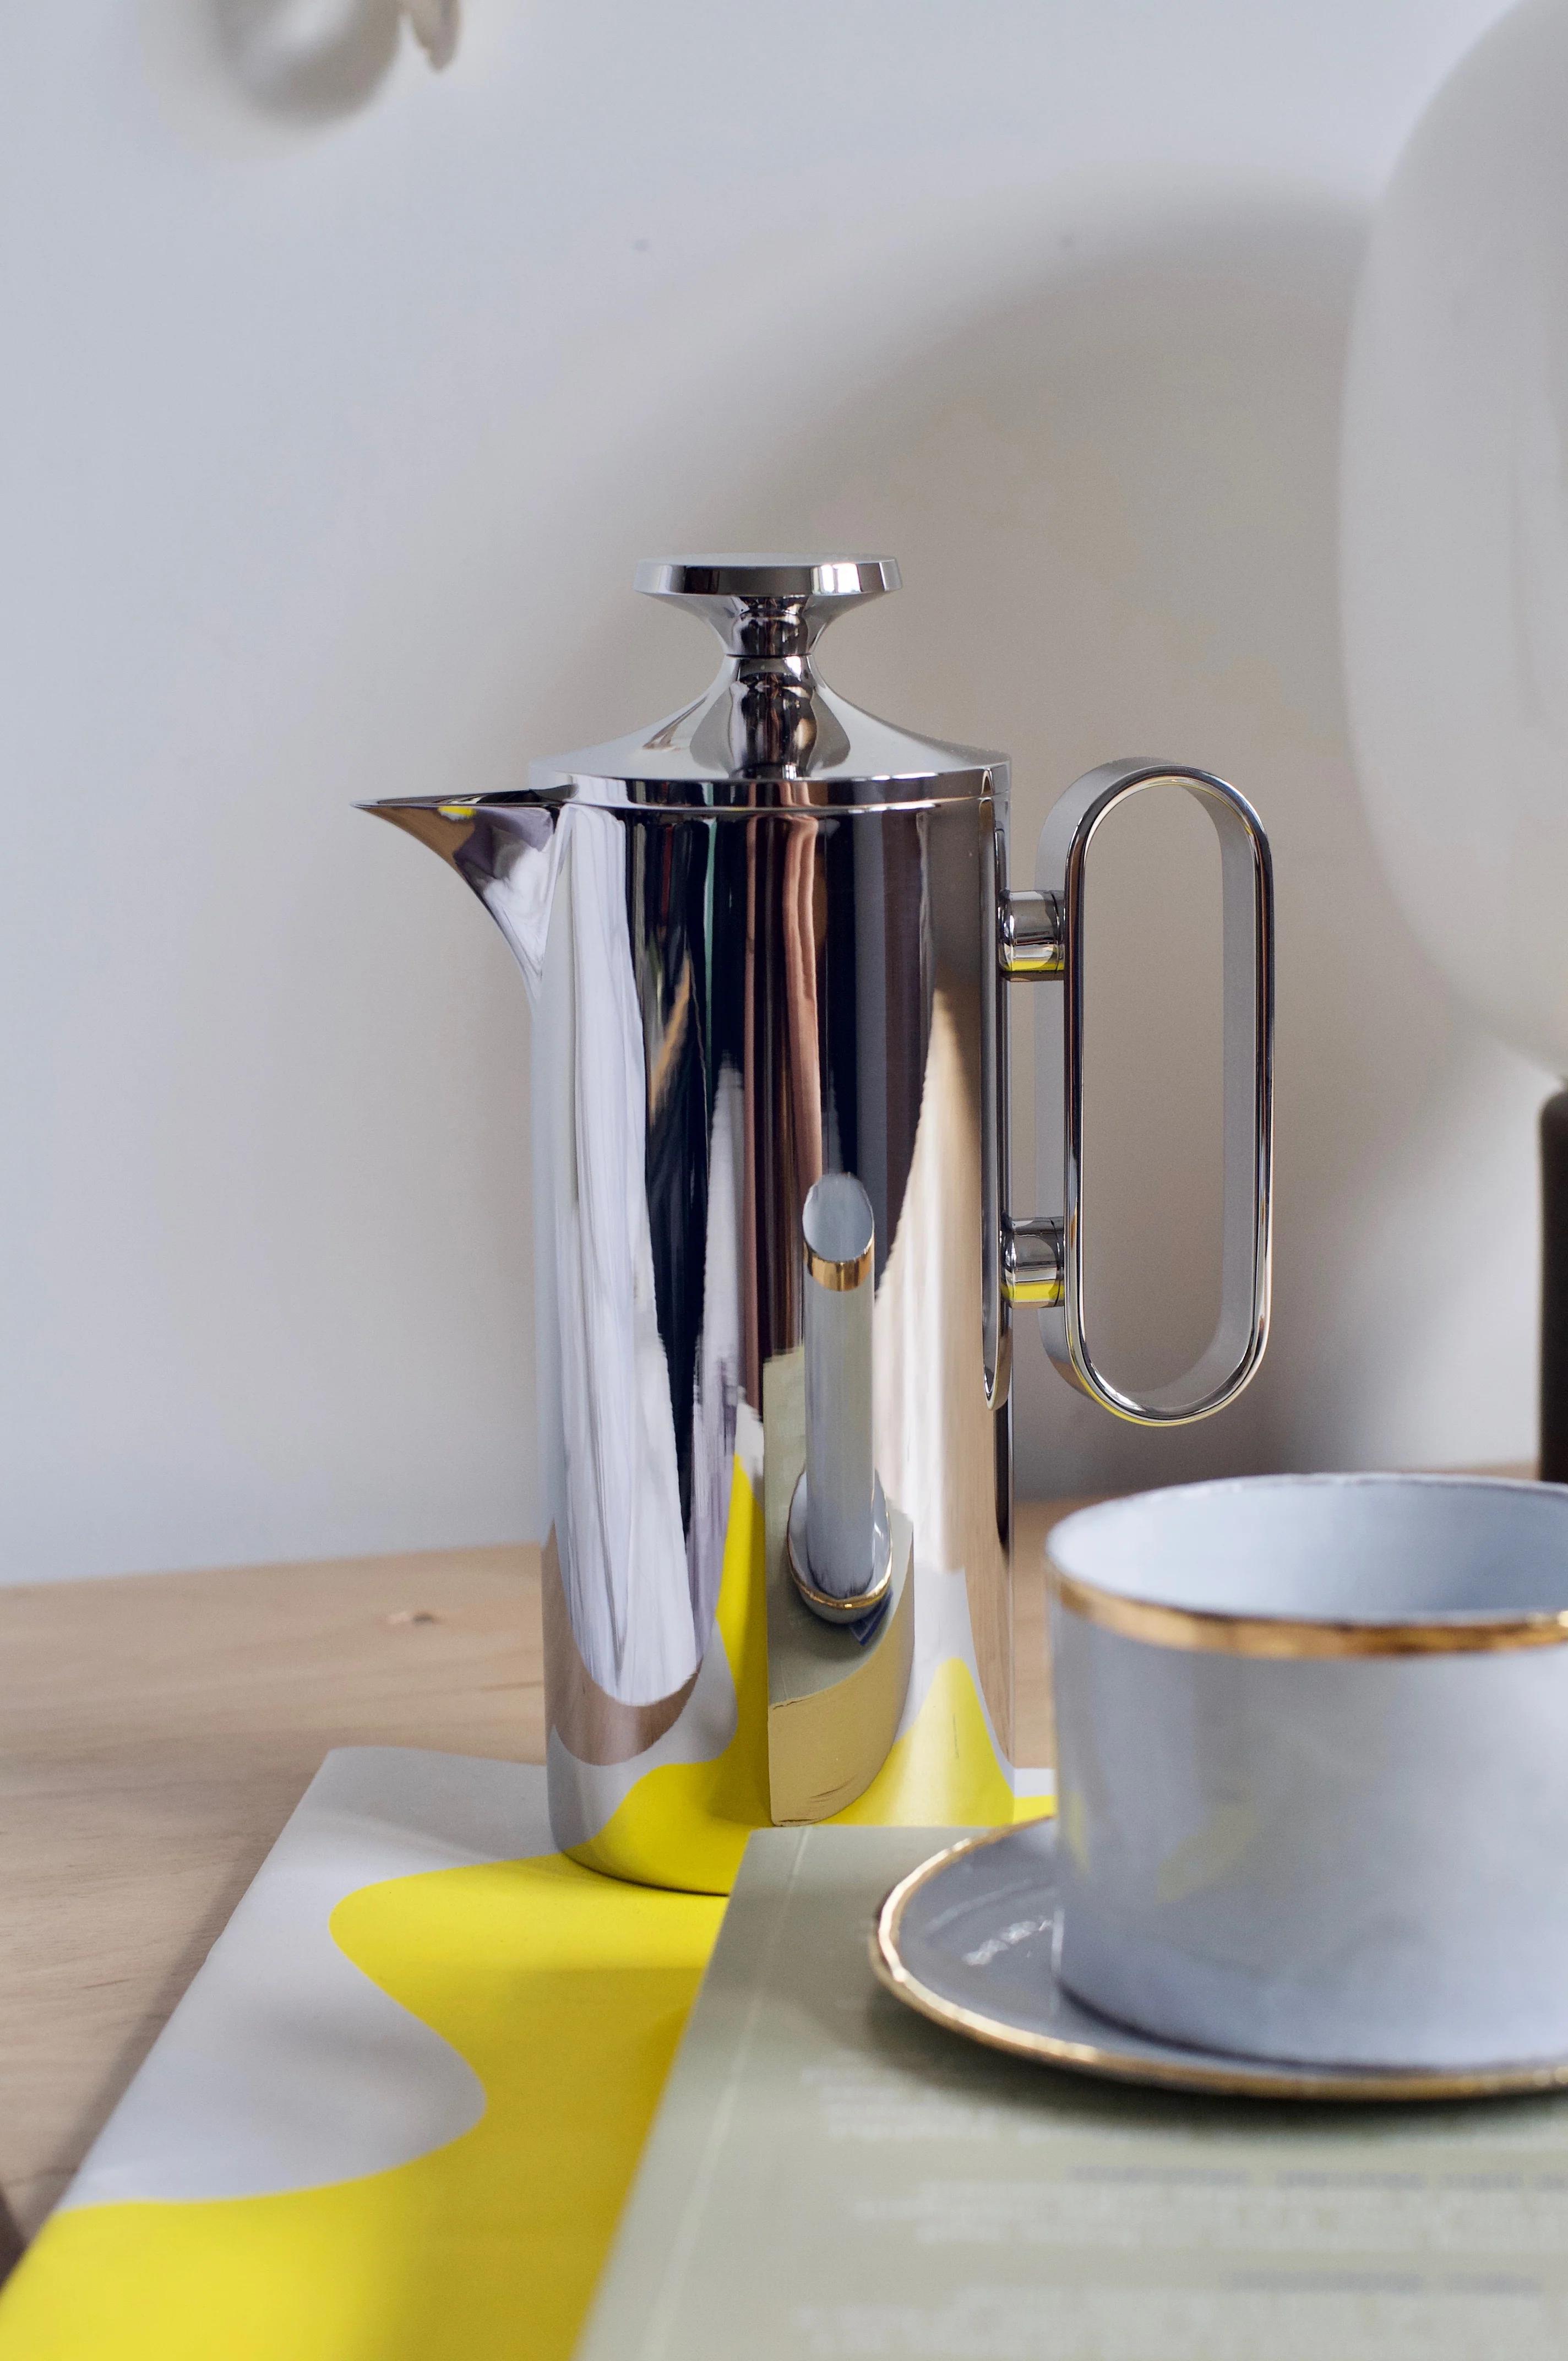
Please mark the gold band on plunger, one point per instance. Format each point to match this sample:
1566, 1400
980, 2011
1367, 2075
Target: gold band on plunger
840, 1610
1215, 1633
839, 1278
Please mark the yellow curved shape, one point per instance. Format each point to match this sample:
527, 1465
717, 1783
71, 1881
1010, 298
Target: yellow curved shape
944, 1771
567, 1994
686, 1823
689, 1822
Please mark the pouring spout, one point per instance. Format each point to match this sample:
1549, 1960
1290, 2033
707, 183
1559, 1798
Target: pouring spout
509, 852
447, 829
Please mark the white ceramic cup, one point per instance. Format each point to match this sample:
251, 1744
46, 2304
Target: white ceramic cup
1312, 1737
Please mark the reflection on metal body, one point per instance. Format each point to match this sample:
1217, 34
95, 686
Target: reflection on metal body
765, 941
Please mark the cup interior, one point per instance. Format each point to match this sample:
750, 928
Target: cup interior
1370, 1549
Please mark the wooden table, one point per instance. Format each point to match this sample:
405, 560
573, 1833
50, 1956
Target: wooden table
157, 1732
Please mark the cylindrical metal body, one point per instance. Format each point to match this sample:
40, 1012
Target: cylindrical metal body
759, 942
839, 1229
725, 1005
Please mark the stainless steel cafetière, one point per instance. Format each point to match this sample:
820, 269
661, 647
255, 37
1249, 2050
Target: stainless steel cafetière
769, 942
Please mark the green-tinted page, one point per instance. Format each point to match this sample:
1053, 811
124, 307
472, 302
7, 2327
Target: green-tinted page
830, 2178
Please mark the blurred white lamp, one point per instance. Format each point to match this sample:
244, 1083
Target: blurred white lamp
1455, 566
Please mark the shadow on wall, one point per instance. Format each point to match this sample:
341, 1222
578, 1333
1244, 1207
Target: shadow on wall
1114, 498
1109, 472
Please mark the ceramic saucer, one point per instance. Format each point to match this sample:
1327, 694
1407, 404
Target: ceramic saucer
967, 1940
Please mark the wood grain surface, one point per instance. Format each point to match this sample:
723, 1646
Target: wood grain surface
157, 1732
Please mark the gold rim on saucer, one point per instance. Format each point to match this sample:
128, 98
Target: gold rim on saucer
1215, 1632
1243, 2078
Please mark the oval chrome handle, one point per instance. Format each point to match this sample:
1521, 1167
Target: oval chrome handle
1040, 938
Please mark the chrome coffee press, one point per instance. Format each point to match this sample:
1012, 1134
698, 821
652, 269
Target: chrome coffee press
767, 940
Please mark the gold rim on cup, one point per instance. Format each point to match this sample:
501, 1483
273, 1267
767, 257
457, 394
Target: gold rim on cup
1216, 1633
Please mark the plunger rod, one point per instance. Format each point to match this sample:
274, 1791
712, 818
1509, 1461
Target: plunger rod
838, 1230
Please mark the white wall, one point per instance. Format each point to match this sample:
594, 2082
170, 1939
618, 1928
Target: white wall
325, 455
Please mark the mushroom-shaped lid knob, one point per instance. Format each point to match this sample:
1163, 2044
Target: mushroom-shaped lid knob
765, 604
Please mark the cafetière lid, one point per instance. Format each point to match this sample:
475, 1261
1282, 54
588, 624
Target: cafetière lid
831, 583
768, 731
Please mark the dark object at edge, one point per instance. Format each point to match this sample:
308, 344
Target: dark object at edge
1554, 1290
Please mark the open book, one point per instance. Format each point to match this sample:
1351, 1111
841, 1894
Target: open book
830, 2178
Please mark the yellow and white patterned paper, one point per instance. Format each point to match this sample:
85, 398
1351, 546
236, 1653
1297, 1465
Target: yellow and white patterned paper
396, 2114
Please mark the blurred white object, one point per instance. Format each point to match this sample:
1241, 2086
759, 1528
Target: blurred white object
436, 24
316, 59
1456, 530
